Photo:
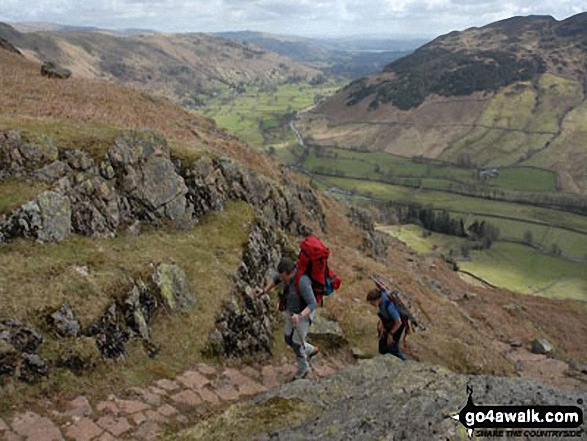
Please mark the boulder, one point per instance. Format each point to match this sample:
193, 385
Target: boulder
326, 332
173, 287
541, 346
64, 321
55, 214
22, 337
51, 70
53, 172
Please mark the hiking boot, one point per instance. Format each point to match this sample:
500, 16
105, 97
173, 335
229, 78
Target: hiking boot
315, 352
301, 374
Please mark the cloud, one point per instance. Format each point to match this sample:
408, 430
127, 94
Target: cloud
427, 18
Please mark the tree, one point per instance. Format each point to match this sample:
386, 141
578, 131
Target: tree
528, 238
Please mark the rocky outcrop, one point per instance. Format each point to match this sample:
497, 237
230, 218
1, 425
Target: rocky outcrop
375, 244
173, 288
18, 347
146, 176
19, 155
379, 399
127, 317
244, 326
138, 181
130, 316
52, 70
47, 218
64, 322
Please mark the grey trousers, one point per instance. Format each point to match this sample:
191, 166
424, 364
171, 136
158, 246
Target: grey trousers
296, 338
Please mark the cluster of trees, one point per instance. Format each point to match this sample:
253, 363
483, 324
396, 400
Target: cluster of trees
481, 234
438, 221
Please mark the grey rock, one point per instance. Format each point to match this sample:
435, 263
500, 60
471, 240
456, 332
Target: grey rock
541, 346
384, 398
78, 160
375, 244
50, 69
173, 287
325, 332
23, 337
53, 172
56, 216
18, 156
47, 218
31, 368
147, 177
97, 208
64, 321
18, 343
111, 333
244, 327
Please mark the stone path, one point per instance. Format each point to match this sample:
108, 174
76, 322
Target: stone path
143, 413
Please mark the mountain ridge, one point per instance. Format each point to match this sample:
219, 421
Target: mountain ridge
523, 73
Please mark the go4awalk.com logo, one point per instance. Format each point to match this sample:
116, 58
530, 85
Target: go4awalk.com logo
521, 421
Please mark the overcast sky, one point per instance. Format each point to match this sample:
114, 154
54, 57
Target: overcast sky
409, 18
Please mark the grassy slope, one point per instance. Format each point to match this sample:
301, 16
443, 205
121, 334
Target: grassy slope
39, 277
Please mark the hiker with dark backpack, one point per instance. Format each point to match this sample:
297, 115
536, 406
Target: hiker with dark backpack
298, 302
391, 324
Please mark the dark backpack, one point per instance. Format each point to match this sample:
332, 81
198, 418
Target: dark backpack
403, 313
313, 261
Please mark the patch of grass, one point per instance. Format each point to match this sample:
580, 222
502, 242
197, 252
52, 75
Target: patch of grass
37, 277
15, 192
93, 137
522, 269
244, 420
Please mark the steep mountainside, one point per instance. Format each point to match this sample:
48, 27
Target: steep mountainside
508, 93
129, 256
183, 67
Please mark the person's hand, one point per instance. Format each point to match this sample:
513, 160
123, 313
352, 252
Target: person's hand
295, 319
259, 292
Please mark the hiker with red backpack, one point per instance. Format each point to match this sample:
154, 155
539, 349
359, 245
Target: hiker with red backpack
305, 283
299, 304
391, 324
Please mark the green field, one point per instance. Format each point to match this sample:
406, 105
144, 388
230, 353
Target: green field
520, 268
464, 204
508, 265
381, 166
259, 110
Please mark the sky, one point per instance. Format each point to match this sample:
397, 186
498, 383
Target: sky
312, 18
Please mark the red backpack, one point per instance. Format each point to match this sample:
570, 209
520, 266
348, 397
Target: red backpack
313, 261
